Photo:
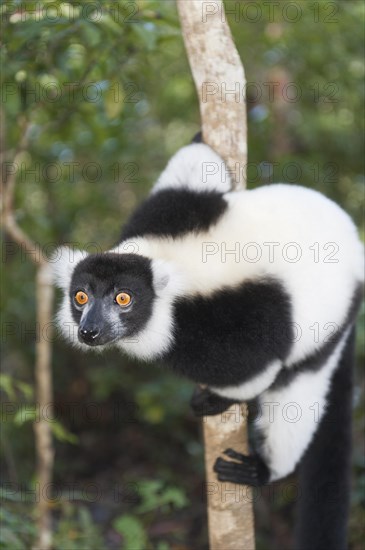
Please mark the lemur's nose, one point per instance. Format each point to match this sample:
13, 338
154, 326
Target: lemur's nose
89, 334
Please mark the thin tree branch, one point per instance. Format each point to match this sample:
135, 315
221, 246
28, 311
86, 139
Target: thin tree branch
8, 185
43, 372
220, 82
44, 393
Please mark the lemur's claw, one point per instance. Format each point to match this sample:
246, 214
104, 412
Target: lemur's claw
247, 470
206, 403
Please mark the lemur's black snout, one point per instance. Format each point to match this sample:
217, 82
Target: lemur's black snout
89, 335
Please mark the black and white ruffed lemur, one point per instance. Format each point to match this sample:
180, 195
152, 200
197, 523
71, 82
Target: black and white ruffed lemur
254, 295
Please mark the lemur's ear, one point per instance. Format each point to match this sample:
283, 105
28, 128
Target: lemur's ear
63, 262
165, 278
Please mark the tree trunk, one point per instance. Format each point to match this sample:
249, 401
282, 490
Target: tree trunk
220, 81
44, 398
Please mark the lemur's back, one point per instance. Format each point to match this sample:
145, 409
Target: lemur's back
288, 232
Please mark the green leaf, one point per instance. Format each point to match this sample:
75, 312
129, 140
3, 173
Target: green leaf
62, 434
154, 496
25, 415
7, 385
147, 35
114, 99
10, 540
132, 531
25, 389
175, 497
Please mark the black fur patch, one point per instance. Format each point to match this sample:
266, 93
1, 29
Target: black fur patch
174, 212
230, 337
317, 360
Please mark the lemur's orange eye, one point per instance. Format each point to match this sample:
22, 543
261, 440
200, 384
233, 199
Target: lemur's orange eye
123, 299
81, 298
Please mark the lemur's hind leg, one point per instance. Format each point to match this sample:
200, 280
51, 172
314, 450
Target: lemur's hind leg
247, 470
206, 403
289, 416
292, 409
244, 469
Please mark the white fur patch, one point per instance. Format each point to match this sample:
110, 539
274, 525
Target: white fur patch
157, 336
67, 325
253, 387
63, 263
196, 167
290, 416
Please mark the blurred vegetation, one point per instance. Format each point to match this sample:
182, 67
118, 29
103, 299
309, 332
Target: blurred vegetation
104, 94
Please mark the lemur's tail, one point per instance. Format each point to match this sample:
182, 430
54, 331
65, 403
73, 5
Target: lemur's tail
196, 167
324, 475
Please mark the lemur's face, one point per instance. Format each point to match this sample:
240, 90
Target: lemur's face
111, 297
116, 298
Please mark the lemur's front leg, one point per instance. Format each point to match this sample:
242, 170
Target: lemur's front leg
246, 470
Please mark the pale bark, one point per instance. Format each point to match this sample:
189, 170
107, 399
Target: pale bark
220, 81
44, 392
43, 373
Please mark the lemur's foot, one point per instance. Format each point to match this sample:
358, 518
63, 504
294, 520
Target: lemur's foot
206, 403
249, 470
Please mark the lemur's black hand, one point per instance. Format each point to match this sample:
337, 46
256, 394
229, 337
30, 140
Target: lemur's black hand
206, 403
247, 470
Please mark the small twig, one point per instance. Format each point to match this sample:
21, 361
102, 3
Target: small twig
7, 204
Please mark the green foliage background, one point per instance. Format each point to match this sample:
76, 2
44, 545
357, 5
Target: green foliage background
104, 93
